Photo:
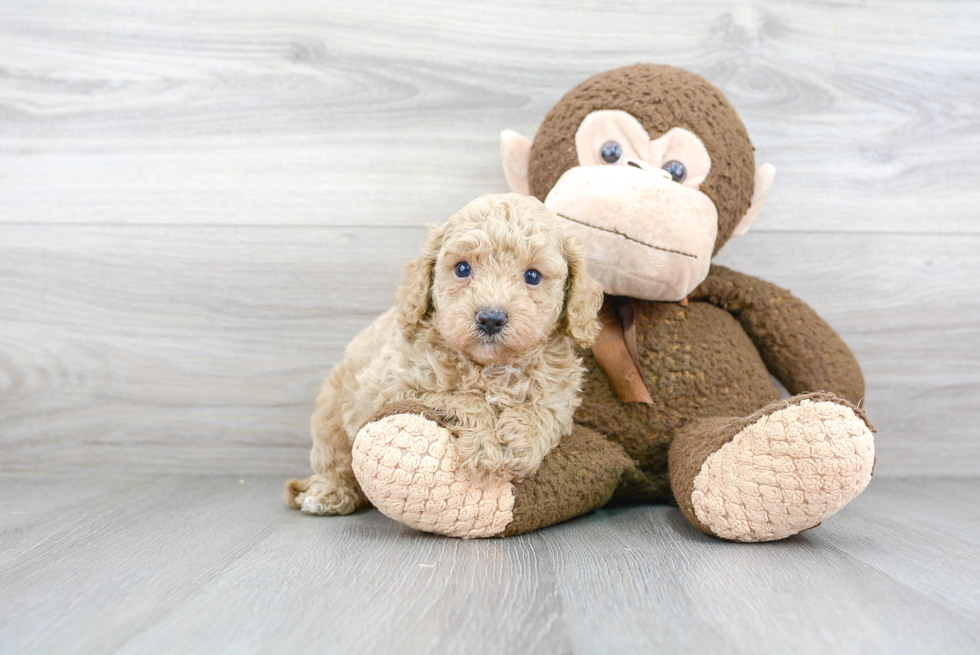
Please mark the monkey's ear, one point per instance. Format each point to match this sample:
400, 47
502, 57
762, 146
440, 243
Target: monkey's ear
763, 180
516, 153
583, 298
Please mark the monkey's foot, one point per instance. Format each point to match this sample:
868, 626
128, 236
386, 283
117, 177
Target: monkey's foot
409, 468
781, 471
407, 464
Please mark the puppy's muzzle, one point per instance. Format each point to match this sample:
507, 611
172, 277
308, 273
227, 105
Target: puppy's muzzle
491, 321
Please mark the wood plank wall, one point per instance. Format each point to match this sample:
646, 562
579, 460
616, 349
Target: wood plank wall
202, 202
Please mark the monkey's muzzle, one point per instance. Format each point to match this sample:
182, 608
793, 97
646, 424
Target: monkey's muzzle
648, 237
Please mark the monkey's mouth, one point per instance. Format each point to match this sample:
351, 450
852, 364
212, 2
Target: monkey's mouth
627, 237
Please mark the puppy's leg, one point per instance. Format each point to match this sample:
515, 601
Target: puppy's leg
526, 434
471, 421
510, 445
334, 489
480, 451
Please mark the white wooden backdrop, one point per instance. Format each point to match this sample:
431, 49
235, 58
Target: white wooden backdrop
202, 202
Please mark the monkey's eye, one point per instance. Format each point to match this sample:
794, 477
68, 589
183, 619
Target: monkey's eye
611, 152
676, 170
532, 277
462, 269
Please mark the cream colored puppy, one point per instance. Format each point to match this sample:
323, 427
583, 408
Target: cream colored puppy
484, 332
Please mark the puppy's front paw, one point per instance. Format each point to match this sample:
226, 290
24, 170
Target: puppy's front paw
482, 455
521, 458
324, 494
508, 453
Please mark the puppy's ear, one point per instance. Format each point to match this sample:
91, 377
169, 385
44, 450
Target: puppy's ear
414, 298
583, 298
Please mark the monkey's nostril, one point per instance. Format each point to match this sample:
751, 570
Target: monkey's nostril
491, 321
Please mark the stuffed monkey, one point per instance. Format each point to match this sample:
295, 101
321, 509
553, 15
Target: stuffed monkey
652, 169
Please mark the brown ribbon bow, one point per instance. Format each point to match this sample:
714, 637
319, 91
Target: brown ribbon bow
615, 350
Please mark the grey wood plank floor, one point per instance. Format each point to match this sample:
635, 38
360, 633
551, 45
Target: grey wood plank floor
212, 564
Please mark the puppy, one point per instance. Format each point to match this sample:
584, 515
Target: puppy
484, 332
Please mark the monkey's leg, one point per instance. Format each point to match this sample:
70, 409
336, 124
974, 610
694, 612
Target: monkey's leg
408, 466
333, 489
778, 472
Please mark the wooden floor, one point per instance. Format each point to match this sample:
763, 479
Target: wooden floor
218, 564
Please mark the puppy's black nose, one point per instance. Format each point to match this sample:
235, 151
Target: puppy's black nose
491, 321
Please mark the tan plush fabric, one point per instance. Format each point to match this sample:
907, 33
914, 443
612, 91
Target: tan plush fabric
409, 469
647, 236
764, 176
677, 144
785, 473
515, 150
660, 98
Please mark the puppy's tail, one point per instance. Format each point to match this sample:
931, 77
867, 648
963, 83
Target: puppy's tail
293, 489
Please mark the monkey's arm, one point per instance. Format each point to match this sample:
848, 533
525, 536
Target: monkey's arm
798, 346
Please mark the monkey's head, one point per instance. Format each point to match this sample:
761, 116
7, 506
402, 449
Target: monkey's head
651, 168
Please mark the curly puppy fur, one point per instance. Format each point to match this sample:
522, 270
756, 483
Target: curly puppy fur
508, 398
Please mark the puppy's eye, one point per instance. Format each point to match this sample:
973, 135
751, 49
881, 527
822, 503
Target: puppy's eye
532, 277
462, 269
676, 169
611, 152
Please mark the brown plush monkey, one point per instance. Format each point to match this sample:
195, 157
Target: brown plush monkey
652, 169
